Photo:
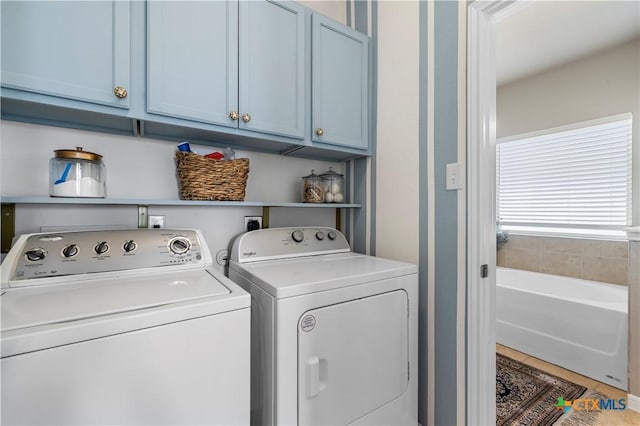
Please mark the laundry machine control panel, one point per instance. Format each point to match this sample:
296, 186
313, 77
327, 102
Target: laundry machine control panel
280, 243
46, 255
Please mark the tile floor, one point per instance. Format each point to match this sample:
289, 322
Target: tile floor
607, 417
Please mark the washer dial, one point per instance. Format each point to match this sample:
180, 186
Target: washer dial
129, 246
101, 248
35, 255
70, 251
179, 245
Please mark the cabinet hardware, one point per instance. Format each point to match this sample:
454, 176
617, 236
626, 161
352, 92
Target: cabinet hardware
246, 117
234, 115
319, 131
120, 92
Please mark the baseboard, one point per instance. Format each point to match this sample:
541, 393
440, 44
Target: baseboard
634, 402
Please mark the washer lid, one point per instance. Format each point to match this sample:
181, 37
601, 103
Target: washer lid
303, 275
89, 299
39, 317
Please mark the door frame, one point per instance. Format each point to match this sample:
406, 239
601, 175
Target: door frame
481, 177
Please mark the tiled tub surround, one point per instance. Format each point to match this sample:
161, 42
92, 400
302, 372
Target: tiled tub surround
597, 260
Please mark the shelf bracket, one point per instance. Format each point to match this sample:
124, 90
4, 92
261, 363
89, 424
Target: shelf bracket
8, 221
143, 216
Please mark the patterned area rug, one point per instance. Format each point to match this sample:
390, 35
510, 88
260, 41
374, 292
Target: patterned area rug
527, 396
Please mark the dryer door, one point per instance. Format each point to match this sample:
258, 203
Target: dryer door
352, 358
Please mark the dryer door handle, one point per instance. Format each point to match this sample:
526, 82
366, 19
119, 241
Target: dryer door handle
317, 376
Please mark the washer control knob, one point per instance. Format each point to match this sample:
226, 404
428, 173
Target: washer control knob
297, 236
101, 248
35, 255
179, 245
129, 246
320, 235
70, 250
332, 235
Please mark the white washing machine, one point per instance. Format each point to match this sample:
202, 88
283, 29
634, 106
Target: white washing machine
334, 333
122, 327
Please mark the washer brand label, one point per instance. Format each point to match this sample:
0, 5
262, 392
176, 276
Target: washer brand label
249, 253
308, 323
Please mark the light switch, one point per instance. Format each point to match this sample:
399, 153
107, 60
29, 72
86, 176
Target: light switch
454, 176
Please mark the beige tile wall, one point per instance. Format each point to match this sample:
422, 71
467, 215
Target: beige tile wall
597, 260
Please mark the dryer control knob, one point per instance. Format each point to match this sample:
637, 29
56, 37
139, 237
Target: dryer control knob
332, 235
320, 235
297, 236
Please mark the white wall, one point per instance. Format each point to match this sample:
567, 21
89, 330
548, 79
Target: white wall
601, 85
141, 168
397, 137
334, 9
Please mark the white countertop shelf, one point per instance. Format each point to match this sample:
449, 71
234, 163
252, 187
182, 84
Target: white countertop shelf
167, 202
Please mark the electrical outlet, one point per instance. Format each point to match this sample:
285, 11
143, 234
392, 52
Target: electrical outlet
251, 223
222, 257
156, 221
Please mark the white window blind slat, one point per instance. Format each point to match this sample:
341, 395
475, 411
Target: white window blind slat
521, 150
528, 161
572, 178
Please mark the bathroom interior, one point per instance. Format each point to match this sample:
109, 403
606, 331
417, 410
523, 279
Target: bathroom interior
566, 297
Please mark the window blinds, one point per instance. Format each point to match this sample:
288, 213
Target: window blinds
572, 177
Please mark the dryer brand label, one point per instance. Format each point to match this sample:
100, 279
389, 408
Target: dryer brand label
308, 323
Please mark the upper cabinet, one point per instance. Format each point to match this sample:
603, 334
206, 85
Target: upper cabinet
238, 65
267, 75
274, 66
192, 60
339, 84
68, 49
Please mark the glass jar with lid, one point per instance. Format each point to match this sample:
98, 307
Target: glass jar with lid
312, 189
333, 184
77, 173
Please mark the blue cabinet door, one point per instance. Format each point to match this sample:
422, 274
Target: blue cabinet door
192, 53
69, 49
274, 67
339, 84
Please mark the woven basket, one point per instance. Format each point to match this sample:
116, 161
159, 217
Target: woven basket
201, 178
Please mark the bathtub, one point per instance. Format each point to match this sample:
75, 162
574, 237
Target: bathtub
577, 324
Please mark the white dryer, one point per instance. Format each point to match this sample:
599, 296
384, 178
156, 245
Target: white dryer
122, 327
334, 333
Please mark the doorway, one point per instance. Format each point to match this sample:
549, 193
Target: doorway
481, 241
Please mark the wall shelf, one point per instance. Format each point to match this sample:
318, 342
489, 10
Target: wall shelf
167, 202
8, 209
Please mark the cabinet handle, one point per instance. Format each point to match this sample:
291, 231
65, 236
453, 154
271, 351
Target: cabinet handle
234, 115
246, 117
319, 131
120, 92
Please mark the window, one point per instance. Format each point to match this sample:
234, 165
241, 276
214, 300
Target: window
570, 180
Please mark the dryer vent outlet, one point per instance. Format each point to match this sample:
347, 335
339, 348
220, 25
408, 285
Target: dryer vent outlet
251, 223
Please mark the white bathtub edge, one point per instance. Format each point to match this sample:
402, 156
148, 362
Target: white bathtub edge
634, 402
